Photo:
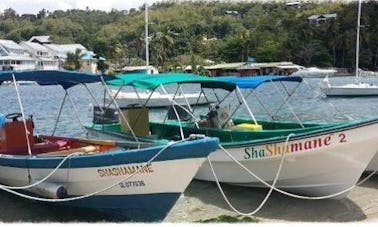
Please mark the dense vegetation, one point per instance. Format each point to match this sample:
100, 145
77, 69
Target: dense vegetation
187, 33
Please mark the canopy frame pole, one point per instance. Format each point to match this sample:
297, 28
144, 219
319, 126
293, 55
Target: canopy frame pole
186, 100
286, 102
202, 92
59, 114
234, 111
27, 133
260, 102
94, 98
174, 109
112, 99
174, 102
74, 108
120, 112
246, 105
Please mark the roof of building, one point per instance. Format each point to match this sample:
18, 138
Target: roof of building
90, 55
63, 49
35, 46
41, 39
234, 65
9, 44
314, 17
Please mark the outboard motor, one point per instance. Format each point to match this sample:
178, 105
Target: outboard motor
107, 116
13, 134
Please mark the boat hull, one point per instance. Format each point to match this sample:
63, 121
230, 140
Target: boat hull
373, 165
327, 163
352, 90
139, 197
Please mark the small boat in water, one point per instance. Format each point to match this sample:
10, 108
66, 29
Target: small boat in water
123, 179
320, 159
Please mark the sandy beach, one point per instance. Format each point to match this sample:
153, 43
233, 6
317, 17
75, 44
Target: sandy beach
202, 201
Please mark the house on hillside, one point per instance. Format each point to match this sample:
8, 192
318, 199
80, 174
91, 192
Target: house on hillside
44, 59
42, 39
89, 60
322, 18
14, 56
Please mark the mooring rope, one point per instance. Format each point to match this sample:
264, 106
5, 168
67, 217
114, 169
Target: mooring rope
43, 179
267, 195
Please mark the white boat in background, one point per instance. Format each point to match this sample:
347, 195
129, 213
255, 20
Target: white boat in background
353, 89
314, 72
157, 99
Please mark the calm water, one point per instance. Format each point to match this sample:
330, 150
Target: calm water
44, 103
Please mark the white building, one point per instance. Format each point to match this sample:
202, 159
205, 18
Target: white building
44, 59
60, 51
14, 56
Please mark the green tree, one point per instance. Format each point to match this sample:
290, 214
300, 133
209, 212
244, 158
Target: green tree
73, 61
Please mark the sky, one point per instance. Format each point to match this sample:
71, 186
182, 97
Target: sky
34, 6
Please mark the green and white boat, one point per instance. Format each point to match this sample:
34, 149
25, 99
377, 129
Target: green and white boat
320, 159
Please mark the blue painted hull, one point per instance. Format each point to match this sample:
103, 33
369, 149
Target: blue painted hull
134, 208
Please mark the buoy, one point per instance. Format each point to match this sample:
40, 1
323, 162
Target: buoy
49, 190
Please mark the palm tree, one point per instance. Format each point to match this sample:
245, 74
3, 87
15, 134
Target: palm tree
73, 61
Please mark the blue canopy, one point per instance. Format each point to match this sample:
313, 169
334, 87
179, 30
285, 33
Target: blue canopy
64, 78
255, 81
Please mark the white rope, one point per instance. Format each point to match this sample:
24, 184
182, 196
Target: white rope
99, 191
43, 179
27, 133
267, 195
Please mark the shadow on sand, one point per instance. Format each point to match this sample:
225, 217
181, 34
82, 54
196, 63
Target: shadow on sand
282, 207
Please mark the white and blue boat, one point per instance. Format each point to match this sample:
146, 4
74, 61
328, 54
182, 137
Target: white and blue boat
136, 183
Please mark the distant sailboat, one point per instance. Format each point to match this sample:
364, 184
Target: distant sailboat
353, 89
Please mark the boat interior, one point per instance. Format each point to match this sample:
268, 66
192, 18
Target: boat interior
15, 140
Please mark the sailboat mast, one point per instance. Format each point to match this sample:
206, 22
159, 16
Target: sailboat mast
358, 38
146, 35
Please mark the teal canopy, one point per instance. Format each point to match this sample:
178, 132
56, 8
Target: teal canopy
152, 81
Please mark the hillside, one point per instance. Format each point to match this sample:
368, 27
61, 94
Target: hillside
190, 32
